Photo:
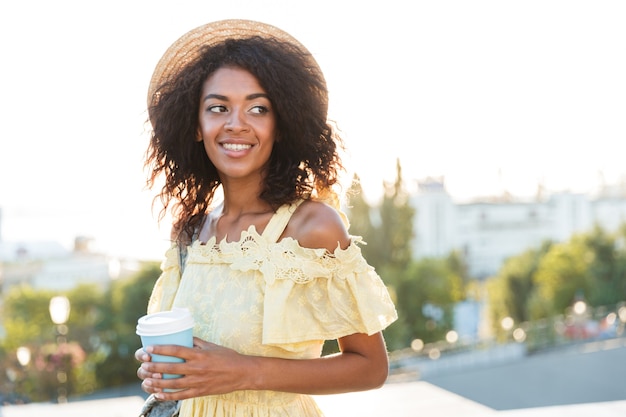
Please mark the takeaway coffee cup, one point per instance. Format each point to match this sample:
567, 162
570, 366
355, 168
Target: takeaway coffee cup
173, 327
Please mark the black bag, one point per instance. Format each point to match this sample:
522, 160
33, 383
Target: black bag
155, 408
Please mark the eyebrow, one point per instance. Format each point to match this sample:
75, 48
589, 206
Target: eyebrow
224, 98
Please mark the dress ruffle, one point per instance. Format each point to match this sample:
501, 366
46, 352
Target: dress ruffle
165, 288
310, 294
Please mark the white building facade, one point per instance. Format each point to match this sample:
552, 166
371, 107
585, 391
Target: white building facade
488, 232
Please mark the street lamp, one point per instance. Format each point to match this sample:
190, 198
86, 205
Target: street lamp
59, 310
59, 313
23, 356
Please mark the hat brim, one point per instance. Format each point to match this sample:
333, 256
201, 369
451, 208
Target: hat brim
188, 47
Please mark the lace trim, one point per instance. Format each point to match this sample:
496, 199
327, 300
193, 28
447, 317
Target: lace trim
284, 260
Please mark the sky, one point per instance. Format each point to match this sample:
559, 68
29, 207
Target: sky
492, 95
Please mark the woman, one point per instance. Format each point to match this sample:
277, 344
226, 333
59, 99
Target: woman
269, 271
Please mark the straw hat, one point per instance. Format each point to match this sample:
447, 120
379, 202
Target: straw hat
188, 47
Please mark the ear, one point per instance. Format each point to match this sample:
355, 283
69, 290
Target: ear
198, 134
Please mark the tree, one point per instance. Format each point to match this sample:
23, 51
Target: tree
26, 317
510, 291
620, 263
128, 301
426, 293
360, 213
605, 267
395, 231
457, 263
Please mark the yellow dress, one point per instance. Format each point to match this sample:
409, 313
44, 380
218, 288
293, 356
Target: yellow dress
264, 297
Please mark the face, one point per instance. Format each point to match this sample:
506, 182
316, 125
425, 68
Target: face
236, 124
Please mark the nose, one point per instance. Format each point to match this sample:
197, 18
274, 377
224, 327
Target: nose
236, 121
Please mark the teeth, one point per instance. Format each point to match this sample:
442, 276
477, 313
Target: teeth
236, 146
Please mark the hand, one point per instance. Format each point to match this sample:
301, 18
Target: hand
208, 369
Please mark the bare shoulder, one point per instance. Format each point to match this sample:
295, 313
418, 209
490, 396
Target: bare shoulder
317, 225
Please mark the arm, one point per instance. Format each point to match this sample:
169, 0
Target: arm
211, 369
361, 365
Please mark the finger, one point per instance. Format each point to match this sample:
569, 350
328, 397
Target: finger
168, 389
169, 350
199, 343
144, 372
202, 344
141, 355
148, 386
157, 369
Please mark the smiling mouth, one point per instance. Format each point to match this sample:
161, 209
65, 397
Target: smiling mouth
236, 146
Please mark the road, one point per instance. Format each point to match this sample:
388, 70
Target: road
586, 373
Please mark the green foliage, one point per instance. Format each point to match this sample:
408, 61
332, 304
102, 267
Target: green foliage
606, 267
512, 289
395, 231
388, 228
361, 218
426, 293
457, 264
128, 301
546, 281
562, 273
130, 297
27, 323
98, 349
418, 288
26, 318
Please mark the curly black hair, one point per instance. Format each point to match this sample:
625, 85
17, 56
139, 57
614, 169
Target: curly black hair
304, 160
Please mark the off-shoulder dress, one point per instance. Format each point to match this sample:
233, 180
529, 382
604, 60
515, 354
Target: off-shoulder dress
268, 297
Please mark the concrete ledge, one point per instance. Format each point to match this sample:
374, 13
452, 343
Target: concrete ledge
111, 407
408, 399
603, 409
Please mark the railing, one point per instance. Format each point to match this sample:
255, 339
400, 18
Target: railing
579, 324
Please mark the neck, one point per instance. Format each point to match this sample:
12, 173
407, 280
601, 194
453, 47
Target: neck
243, 200
239, 206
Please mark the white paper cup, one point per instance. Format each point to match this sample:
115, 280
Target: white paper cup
173, 327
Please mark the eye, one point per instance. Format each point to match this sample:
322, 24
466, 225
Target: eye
218, 108
259, 110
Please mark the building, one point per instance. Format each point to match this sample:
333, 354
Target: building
491, 230
49, 266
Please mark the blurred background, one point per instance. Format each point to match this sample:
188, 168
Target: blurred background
485, 143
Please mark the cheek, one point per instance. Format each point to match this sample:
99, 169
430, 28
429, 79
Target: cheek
207, 129
271, 131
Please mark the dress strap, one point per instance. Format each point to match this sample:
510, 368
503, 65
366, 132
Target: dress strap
279, 221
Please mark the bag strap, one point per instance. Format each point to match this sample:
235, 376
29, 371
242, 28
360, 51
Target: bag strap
182, 249
182, 258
